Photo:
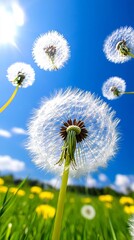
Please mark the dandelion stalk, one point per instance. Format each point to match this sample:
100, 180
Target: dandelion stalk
10, 99
128, 93
61, 200
131, 54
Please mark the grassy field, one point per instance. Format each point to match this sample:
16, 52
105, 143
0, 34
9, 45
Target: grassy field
27, 214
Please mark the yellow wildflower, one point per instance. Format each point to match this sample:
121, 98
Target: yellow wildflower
86, 200
129, 209
36, 189
1, 181
21, 192
106, 198
126, 200
46, 211
46, 195
108, 205
15, 190
31, 195
3, 189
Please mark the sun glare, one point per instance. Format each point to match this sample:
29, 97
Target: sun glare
10, 18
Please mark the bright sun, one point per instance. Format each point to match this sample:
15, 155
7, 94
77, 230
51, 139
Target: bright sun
10, 18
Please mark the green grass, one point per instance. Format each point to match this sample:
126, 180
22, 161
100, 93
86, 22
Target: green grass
108, 224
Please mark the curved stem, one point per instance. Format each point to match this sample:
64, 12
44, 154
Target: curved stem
131, 54
128, 93
9, 100
61, 200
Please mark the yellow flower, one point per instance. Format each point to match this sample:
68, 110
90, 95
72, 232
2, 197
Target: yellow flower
108, 205
106, 198
86, 200
126, 200
36, 189
21, 193
46, 211
31, 195
46, 195
1, 181
129, 209
3, 189
15, 190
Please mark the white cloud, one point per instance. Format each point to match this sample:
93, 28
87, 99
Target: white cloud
10, 164
123, 183
5, 133
102, 177
121, 180
91, 182
17, 130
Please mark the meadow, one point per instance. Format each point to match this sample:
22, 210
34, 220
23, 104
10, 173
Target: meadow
27, 213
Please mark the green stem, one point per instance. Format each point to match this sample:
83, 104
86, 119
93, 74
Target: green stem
131, 54
61, 200
128, 93
9, 100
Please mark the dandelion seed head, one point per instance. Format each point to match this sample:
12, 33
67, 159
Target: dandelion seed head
88, 212
113, 88
111, 48
45, 143
131, 227
21, 74
51, 51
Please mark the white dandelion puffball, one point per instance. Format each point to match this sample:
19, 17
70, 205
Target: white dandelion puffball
123, 35
45, 143
21, 74
113, 88
88, 212
131, 227
51, 51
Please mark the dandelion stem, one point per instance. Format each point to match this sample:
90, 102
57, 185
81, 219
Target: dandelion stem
128, 93
61, 200
131, 54
9, 100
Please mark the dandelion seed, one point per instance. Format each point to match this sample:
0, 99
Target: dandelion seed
21, 74
51, 51
95, 144
88, 212
131, 227
119, 46
78, 130
113, 88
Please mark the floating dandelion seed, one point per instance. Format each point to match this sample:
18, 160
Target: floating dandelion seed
119, 46
88, 212
131, 227
83, 116
113, 88
21, 74
51, 51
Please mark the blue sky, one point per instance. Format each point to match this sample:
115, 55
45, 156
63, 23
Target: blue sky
85, 25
